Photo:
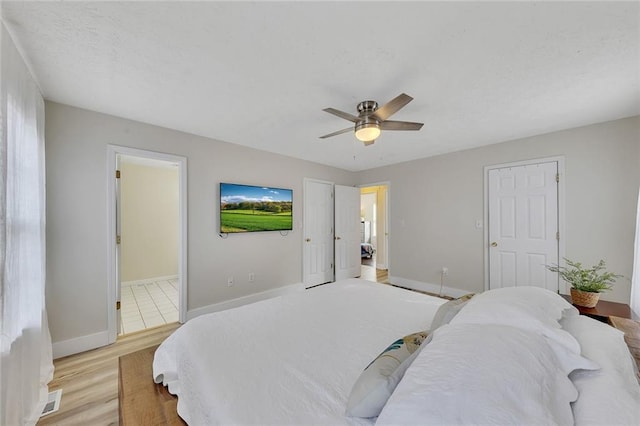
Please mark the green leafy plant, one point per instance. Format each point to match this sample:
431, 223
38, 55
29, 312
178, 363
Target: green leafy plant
594, 280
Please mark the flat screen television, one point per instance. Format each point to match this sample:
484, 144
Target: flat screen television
247, 208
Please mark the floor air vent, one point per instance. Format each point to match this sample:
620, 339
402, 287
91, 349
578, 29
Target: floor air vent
53, 402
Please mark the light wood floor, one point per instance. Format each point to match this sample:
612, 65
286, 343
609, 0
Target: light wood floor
371, 273
89, 380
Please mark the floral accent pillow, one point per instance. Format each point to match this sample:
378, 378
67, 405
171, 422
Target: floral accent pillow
378, 380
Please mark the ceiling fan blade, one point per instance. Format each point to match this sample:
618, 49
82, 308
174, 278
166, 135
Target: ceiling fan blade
391, 107
339, 132
400, 125
342, 114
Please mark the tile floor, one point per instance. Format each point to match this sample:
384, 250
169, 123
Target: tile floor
148, 305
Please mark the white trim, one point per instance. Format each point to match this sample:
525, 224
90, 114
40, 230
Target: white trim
244, 300
148, 280
112, 152
561, 210
80, 344
634, 297
428, 287
387, 214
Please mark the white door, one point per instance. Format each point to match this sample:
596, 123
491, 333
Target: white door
118, 237
523, 225
347, 234
318, 233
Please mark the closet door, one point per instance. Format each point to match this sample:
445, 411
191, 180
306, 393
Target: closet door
523, 226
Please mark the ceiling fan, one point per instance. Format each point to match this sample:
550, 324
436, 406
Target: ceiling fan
371, 120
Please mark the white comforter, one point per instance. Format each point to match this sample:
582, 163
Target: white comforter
288, 360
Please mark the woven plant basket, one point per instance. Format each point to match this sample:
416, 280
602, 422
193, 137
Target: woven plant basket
584, 298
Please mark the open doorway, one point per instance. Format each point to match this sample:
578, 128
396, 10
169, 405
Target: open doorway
149, 210
374, 243
147, 217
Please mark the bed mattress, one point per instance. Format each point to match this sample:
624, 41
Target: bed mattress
287, 360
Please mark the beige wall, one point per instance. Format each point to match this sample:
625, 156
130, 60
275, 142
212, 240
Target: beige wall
76, 156
149, 212
436, 201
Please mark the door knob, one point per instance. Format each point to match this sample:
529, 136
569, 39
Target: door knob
494, 244
338, 238
308, 240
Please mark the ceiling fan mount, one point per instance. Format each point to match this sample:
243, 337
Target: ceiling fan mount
367, 107
371, 120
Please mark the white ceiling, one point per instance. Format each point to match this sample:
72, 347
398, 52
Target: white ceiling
260, 73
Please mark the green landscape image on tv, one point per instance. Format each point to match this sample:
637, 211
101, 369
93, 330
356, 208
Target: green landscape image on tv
247, 208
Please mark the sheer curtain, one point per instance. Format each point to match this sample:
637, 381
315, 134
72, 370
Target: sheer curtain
635, 280
26, 365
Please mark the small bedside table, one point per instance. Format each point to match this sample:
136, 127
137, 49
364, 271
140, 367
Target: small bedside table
603, 310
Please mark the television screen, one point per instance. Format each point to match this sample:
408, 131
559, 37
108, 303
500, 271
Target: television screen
246, 208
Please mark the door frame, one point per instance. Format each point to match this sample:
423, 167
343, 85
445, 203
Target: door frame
387, 221
112, 152
561, 209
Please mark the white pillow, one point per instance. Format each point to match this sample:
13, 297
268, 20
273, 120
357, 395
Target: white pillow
528, 312
482, 374
448, 310
378, 380
611, 395
538, 299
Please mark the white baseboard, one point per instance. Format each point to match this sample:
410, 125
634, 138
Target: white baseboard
146, 280
431, 288
234, 303
80, 344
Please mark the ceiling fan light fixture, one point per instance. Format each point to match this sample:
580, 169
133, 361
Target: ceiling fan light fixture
370, 120
367, 131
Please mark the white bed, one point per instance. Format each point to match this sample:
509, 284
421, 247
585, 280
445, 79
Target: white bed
287, 360
294, 360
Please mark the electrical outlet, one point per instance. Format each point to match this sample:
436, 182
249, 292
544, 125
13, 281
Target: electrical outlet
445, 270
252, 277
229, 281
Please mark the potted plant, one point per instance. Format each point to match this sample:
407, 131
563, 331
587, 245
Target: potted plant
586, 283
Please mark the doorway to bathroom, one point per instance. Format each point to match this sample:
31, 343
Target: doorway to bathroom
147, 210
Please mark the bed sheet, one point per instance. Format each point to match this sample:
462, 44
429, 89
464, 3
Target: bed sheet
292, 359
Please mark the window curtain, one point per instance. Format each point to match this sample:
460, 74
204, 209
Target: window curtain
635, 280
26, 356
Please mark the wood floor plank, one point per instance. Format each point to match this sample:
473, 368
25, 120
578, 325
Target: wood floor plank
89, 380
